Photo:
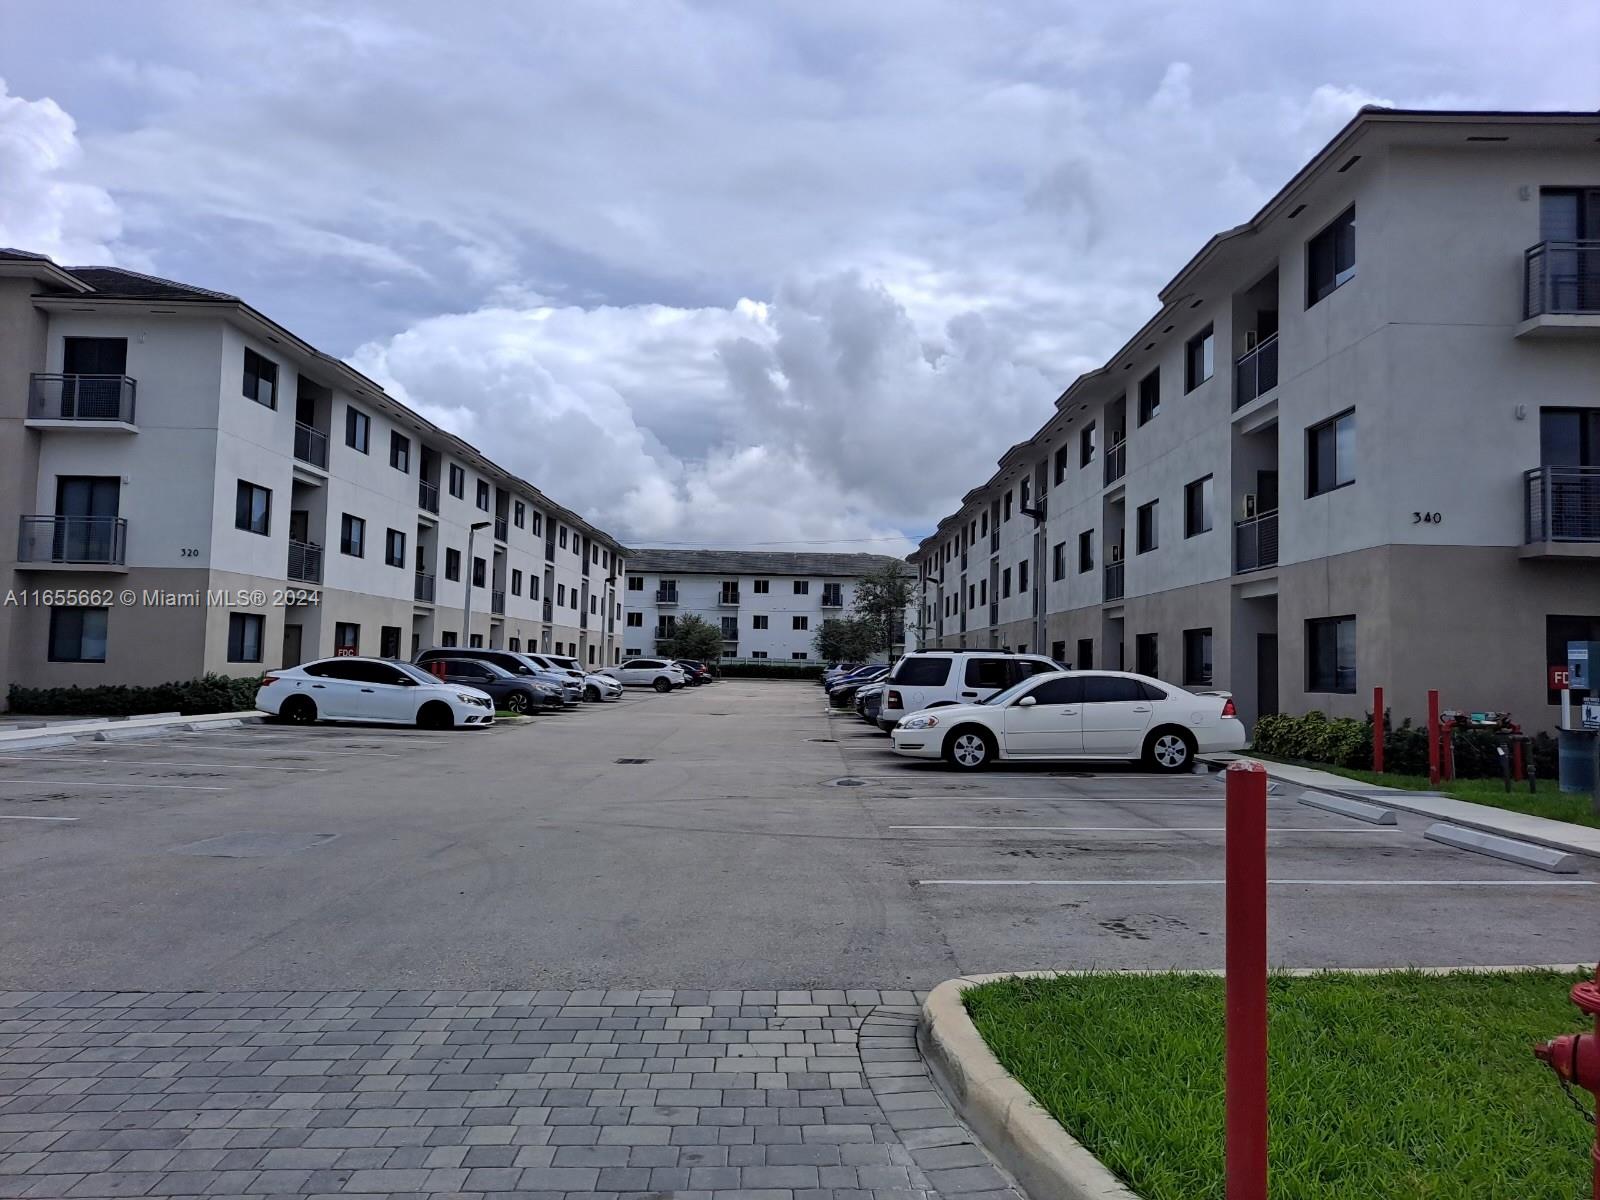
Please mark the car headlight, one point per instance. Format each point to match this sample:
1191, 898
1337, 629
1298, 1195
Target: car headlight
466, 698
919, 722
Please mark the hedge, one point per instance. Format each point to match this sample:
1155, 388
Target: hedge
1347, 742
767, 670
208, 694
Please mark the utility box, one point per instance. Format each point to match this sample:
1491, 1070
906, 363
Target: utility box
1583, 662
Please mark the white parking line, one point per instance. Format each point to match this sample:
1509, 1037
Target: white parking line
49, 783
1213, 801
1135, 828
8, 817
298, 749
1274, 882
145, 762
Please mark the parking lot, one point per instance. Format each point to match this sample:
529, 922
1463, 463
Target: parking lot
737, 835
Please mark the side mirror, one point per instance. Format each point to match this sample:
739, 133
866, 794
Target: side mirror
1026, 702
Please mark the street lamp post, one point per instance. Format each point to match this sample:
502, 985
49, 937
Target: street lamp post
466, 605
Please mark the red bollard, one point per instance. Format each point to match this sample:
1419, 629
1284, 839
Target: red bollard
1246, 981
1433, 738
1377, 730
1516, 759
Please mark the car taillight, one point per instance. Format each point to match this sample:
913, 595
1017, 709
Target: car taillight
270, 677
1228, 710
891, 699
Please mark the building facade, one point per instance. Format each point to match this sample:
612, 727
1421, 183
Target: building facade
194, 489
1358, 446
769, 605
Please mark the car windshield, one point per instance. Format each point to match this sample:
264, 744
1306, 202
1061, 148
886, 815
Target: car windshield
416, 673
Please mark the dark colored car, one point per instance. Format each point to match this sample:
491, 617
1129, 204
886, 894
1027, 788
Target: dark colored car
506, 660
695, 672
843, 693
513, 693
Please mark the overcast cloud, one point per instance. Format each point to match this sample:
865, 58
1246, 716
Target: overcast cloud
716, 273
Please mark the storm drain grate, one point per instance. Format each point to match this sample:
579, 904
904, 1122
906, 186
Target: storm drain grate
847, 782
631, 762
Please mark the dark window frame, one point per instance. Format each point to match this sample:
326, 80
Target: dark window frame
1141, 543
60, 614
452, 564
1199, 666
259, 370
1194, 524
399, 452
238, 647
1141, 643
1150, 396
1334, 243
390, 557
1199, 358
244, 508
352, 532
1323, 633
1085, 552
1088, 444
1315, 485
357, 429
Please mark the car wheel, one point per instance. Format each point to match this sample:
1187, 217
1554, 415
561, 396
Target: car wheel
969, 748
518, 702
663, 684
435, 715
591, 692
298, 710
1169, 751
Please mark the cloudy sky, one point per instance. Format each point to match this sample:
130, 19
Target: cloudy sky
716, 273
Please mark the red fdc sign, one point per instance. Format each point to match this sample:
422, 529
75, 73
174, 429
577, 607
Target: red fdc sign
344, 651
1558, 678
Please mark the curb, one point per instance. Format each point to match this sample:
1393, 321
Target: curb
63, 733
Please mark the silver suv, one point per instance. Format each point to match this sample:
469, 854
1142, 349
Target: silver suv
934, 678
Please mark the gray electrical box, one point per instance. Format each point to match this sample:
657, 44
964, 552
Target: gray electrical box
1583, 661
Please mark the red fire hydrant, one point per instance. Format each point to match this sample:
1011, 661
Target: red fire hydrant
1575, 1057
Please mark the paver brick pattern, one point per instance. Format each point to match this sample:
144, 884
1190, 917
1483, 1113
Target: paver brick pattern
710, 1095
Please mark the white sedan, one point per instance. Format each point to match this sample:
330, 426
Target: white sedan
1071, 715
658, 673
371, 689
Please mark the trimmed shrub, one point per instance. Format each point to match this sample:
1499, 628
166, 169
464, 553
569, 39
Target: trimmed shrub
758, 669
208, 694
1347, 742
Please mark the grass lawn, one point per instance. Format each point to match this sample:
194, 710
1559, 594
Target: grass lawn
1578, 808
1398, 1086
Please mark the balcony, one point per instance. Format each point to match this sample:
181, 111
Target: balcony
502, 526
497, 602
1561, 289
427, 496
305, 561
1561, 512
1116, 461
666, 596
727, 600
1113, 586
81, 402
1256, 373
549, 610
424, 587
49, 541
1255, 543
832, 599
310, 445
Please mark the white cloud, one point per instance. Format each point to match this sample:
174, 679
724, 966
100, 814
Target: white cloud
39, 209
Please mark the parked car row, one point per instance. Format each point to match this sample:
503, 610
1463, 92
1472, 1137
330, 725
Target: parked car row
972, 709
453, 686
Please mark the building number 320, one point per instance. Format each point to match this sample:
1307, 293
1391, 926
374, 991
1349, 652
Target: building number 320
1427, 518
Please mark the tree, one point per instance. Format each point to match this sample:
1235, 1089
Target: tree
692, 637
845, 639
882, 598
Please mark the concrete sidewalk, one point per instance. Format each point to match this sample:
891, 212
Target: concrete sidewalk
1579, 839
58, 731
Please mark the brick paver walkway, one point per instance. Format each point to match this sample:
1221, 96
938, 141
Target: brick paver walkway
805, 1095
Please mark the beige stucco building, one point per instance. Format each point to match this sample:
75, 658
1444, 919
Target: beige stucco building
192, 488
1357, 446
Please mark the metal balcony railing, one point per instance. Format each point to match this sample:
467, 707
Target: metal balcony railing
86, 398
427, 496
1113, 587
1255, 543
832, 599
497, 602
305, 561
1561, 277
728, 600
1561, 504
424, 588
502, 526
310, 445
91, 541
1116, 462
1256, 373
666, 595
550, 549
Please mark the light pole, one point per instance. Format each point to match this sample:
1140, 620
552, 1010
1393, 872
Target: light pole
466, 605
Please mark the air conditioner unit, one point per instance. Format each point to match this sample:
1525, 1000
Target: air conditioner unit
1249, 506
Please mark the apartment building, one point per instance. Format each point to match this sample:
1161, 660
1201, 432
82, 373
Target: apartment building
194, 488
1358, 446
769, 605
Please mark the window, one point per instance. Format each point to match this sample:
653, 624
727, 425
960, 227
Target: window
483, 495
1331, 257
985, 532
260, 379
394, 548
1005, 583
519, 514
758, 654
561, 595
78, 634
1147, 536
635, 620
480, 572
1086, 551
399, 452
1058, 562
347, 637
447, 638
987, 673
1022, 577
972, 595
1115, 689
1149, 395
730, 628
666, 626
1197, 657
389, 641
799, 655
983, 591
514, 644
1005, 509
802, 622
1197, 507
1331, 454
802, 587
563, 531
516, 583
1146, 660
758, 622
1085, 659
476, 641
1198, 359
252, 508
538, 523
352, 536
1065, 690
1331, 655
1061, 458
1569, 437
452, 564
357, 428
1086, 445
533, 587
458, 482
244, 637
761, 586
636, 583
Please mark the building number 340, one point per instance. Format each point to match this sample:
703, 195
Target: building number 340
1427, 518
